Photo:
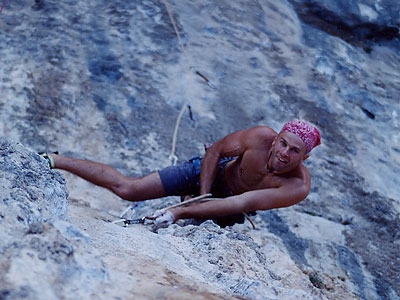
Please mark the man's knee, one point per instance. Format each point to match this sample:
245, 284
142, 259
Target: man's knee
139, 189
125, 190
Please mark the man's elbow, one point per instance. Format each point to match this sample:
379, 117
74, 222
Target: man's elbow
277, 203
295, 199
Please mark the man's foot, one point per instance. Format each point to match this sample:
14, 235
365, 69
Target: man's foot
49, 158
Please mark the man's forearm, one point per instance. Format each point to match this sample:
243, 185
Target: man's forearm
208, 209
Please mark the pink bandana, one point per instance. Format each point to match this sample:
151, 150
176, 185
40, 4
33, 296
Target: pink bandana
307, 132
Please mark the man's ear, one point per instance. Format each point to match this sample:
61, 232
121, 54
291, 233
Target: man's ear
306, 156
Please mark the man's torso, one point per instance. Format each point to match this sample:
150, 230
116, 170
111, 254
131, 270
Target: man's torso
250, 172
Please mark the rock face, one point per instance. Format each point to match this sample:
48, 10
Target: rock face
107, 81
48, 255
40, 251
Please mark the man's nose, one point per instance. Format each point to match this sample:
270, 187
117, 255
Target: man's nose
285, 152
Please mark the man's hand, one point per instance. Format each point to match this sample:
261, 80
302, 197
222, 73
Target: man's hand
162, 218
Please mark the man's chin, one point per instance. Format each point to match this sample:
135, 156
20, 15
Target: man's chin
279, 165
283, 168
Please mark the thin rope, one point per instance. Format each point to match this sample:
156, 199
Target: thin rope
205, 198
172, 157
2, 6
174, 25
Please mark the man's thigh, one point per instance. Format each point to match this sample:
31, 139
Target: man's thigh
180, 180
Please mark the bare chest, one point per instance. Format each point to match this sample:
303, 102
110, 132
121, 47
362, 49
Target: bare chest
252, 178
251, 175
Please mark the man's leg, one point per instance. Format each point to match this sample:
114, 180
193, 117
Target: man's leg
133, 189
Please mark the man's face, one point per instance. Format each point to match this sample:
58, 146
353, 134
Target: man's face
288, 151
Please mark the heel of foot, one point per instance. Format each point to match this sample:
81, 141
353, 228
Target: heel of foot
49, 159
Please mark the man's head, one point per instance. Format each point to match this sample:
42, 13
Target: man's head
305, 131
292, 146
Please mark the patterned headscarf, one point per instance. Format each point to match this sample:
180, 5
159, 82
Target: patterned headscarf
307, 132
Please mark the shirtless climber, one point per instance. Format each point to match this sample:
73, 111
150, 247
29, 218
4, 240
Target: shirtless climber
253, 169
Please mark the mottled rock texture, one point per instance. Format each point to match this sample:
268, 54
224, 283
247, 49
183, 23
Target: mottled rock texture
107, 80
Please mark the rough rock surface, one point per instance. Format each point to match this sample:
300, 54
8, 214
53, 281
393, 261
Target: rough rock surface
107, 81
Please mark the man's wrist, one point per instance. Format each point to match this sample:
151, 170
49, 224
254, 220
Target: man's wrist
175, 213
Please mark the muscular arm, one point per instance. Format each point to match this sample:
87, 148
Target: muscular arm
254, 200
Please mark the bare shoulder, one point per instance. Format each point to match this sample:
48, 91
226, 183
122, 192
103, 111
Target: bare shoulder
261, 131
237, 143
259, 134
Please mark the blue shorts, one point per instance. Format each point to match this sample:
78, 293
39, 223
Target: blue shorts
184, 179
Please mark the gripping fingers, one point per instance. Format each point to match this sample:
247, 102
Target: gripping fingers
162, 218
